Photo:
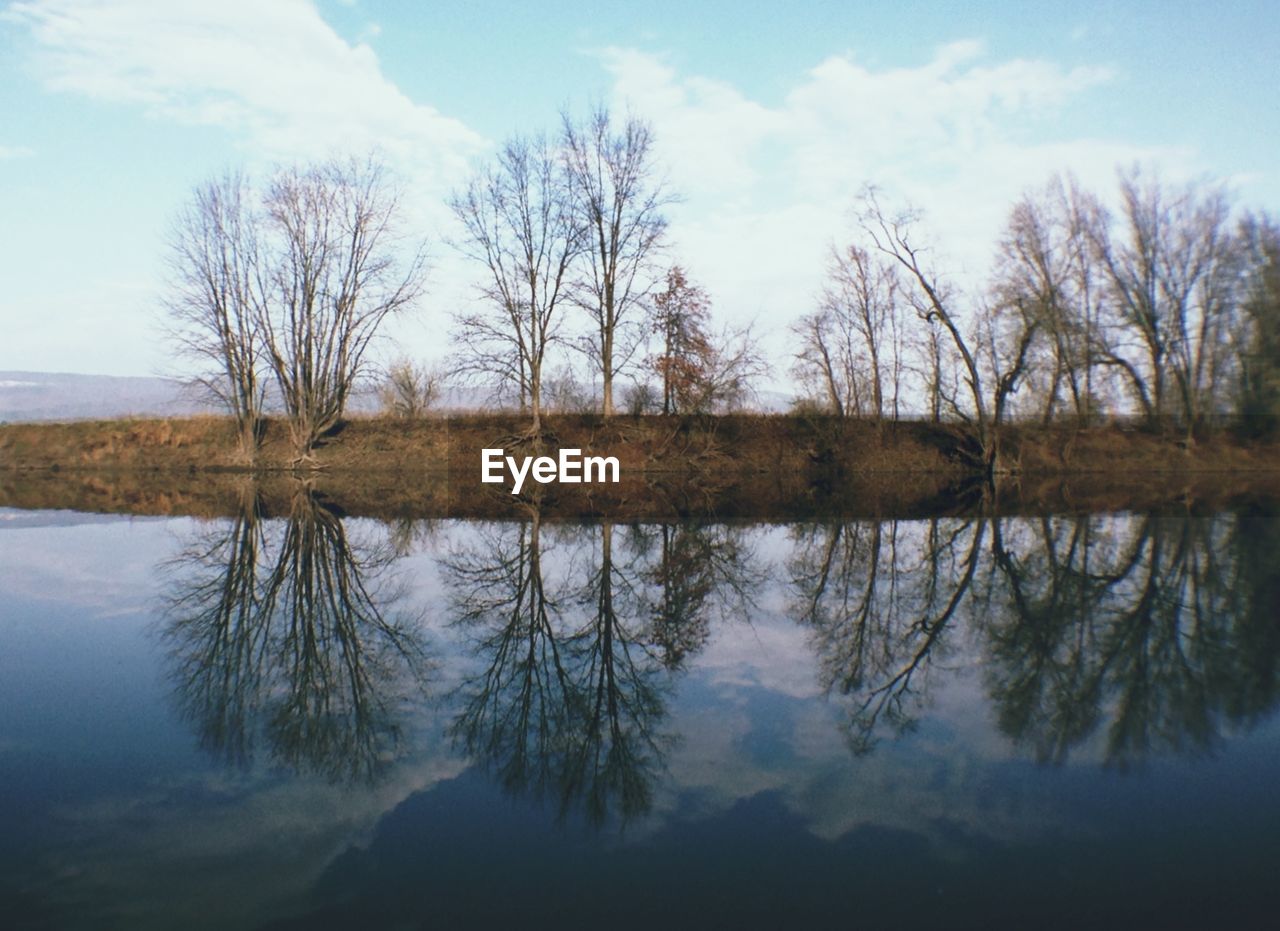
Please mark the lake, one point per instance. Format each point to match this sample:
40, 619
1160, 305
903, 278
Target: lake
306, 720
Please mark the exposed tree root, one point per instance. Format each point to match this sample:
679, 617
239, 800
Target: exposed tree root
535, 437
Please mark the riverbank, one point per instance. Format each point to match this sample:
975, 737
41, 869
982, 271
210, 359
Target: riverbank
776, 468
649, 445
661, 499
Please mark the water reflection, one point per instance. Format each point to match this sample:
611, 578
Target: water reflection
285, 633
578, 652
881, 599
693, 572
1151, 633
1130, 634
1159, 632
691, 681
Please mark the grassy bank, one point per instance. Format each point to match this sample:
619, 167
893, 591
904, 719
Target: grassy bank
749, 467
650, 445
643, 445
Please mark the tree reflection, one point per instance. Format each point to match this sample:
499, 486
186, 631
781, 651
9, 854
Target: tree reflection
622, 696
1149, 633
1161, 631
578, 651
880, 599
571, 698
691, 574
517, 712
279, 633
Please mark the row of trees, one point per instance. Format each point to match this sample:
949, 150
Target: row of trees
279, 289
576, 222
1167, 308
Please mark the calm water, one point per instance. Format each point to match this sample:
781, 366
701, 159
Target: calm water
317, 722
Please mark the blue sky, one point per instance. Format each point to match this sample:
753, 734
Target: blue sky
769, 119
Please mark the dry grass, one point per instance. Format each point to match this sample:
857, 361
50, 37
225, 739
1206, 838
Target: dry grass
714, 449
1061, 450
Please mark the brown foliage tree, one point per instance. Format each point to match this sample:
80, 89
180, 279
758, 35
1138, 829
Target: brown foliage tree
683, 362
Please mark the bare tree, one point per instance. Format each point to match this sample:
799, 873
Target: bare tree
1011, 328
1169, 277
620, 205
1201, 283
1084, 326
732, 368
1166, 302
865, 291
930, 346
335, 274
410, 390
822, 360
519, 222
215, 297
1258, 340
1033, 288
893, 235
847, 345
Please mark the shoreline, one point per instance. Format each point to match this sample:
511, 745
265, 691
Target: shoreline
729, 444
775, 468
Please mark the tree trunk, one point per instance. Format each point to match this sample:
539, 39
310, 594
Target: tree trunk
535, 399
247, 439
606, 379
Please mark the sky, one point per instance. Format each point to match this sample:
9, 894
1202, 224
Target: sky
769, 119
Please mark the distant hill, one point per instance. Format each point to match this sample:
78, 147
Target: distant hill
64, 396
28, 396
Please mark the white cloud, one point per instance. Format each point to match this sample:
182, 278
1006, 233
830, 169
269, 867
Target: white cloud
276, 74
919, 123
767, 185
767, 188
15, 151
282, 84
709, 129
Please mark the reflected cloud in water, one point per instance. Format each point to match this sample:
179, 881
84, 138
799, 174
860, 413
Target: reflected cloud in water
410, 689
1137, 634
